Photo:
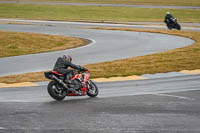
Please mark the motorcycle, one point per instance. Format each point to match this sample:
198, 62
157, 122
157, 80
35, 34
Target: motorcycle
58, 89
173, 24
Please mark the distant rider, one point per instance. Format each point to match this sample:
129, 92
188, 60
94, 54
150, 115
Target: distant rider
168, 18
62, 65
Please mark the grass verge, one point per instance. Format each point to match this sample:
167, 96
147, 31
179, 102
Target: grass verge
19, 43
135, 2
186, 58
93, 13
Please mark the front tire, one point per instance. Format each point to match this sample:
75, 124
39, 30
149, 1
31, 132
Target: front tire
55, 91
92, 89
178, 26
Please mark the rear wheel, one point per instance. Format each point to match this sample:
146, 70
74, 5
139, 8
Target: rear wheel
169, 26
55, 91
92, 89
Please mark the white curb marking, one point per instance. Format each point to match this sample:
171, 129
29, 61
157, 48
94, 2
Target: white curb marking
2, 128
180, 97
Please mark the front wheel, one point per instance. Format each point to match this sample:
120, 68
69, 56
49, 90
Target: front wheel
55, 91
92, 89
178, 26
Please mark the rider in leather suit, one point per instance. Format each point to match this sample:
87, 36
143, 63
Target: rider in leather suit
62, 65
168, 18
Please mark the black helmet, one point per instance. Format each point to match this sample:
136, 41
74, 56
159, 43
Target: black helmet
67, 58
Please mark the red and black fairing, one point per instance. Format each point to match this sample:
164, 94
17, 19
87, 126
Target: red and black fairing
55, 72
50, 73
82, 77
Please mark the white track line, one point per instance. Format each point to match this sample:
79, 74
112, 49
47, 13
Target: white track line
2, 128
11, 100
77, 23
179, 97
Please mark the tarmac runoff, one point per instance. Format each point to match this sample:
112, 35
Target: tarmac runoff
111, 79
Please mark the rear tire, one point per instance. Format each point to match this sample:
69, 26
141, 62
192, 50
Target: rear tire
92, 89
169, 27
55, 91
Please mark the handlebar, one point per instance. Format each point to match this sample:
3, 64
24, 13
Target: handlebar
81, 71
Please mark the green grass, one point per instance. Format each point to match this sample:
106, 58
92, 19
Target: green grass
88, 13
144, 2
19, 43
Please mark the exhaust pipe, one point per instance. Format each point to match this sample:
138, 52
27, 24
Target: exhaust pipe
59, 81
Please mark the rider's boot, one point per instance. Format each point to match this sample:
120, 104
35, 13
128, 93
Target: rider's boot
68, 81
72, 86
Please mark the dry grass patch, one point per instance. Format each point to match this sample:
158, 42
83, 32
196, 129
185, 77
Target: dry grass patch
187, 58
18, 43
173, 60
27, 77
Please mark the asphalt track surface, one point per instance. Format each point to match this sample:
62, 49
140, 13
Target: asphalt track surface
105, 45
162, 104
104, 5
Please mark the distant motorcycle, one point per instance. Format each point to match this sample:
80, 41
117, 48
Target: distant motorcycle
173, 24
58, 89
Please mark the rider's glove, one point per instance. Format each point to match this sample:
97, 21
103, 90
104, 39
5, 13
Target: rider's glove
82, 68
